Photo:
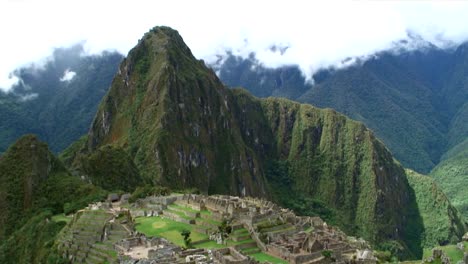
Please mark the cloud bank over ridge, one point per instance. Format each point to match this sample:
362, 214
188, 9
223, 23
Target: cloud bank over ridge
313, 34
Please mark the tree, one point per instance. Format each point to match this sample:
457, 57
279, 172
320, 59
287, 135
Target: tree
187, 240
224, 229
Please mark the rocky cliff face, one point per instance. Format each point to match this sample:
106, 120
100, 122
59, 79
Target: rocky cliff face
182, 128
174, 117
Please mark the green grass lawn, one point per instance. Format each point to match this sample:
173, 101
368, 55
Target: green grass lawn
451, 251
212, 244
61, 218
169, 229
263, 257
185, 208
241, 231
209, 245
181, 214
205, 212
234, 243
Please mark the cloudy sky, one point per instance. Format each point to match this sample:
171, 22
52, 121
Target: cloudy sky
318, 33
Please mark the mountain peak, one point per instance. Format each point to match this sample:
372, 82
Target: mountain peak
161, 40
180, 127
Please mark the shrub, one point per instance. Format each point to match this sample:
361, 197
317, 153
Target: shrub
187, 240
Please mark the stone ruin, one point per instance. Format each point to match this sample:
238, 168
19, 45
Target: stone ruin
273, 230
154, 250
438, 253
143, 250
152, 205
196, 256
279, 232
230, 256
302, 247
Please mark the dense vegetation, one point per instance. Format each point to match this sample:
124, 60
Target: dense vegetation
281, 184
110, 168
32, 242
182, 128
436, 212
58, 111
415, 101
34, 185
452, 173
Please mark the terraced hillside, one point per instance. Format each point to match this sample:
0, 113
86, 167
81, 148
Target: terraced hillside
179, 216
247, 227
90, 237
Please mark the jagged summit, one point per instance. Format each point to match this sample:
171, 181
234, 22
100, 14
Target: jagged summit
161, 44
164, 37
173, 120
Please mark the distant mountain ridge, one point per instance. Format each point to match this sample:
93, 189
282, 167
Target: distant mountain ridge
55, 108
416, 101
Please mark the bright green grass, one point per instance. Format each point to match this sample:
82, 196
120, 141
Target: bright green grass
169, 229
205, 212
209, 245
241, 231
451, 251
181, 214
61, 218
181, 207
213, 244
234, 243
263, 257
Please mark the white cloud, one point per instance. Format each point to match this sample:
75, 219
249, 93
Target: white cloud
318, 33
68, 76
28, 97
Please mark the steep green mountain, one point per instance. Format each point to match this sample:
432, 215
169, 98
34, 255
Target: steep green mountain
110, 168
436, 211
24, 169
32, 242
452, 175
182, 128
415, 101
34, 185
58, 110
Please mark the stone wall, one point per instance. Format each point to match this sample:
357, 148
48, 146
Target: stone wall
177, 218
299, 259
278, 251
230, 256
